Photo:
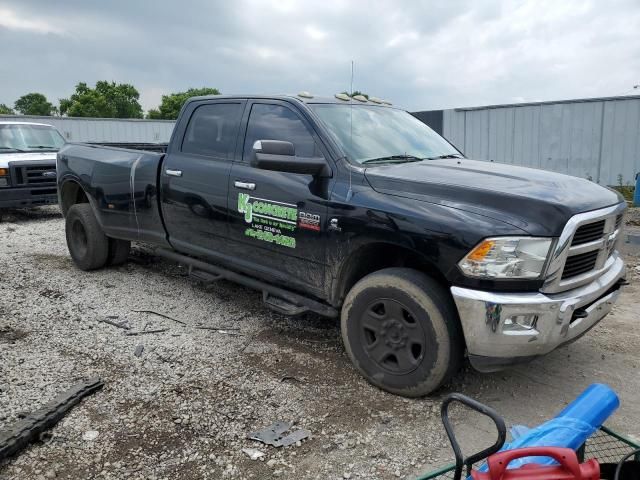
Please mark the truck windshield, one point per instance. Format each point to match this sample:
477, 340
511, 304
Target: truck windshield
382, 134
17, 137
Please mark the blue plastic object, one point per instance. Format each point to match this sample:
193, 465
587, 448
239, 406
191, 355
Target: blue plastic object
636, 193
570, 428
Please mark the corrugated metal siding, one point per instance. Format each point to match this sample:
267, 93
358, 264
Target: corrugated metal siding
592, 138
104, 129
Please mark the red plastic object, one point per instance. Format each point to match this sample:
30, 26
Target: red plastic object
569, 468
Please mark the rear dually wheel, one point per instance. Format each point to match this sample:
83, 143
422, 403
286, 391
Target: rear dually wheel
87, 243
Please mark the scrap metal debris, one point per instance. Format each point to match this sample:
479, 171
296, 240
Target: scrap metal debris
253, 453
161, 315
33, 425
274, 435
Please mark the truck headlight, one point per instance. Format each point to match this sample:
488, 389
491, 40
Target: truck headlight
507, 257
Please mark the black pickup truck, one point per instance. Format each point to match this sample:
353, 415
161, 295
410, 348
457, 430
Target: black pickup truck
354, 208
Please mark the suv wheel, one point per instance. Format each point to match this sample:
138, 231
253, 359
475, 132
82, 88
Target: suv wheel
87, 243
401, 330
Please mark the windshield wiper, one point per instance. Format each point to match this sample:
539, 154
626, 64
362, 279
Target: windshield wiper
394, 159
42, 146
14, 149
446, 155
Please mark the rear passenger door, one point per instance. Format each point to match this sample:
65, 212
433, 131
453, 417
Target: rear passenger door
195, 175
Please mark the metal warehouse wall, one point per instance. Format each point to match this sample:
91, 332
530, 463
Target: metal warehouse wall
104, 129
596, 138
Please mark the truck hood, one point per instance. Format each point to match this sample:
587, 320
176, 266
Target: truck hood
5, 158
537, 201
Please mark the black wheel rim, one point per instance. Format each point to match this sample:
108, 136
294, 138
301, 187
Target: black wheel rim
392, 337
79, 239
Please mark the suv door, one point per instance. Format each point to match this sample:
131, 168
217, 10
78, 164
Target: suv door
278, 219
195, 176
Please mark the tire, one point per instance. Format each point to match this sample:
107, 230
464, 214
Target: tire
87, 243
118, 251
401, 330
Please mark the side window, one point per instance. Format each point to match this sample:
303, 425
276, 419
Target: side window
212, 130
275, 122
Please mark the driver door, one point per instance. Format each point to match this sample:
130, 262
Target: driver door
277, 220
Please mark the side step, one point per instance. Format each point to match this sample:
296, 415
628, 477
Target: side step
204, 277
279, 299
282, 306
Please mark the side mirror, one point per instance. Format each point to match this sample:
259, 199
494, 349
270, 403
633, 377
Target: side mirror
280, 156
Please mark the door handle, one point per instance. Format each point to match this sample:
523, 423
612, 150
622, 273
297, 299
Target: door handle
245, 185
173, 173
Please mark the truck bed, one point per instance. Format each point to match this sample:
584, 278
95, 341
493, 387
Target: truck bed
123, 184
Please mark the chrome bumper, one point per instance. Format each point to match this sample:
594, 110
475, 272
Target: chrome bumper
492, 322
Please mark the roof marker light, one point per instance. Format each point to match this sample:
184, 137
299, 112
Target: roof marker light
360, 98
375, 100
305, 94
386, 102
342, 96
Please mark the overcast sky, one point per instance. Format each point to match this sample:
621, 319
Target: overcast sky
421, 55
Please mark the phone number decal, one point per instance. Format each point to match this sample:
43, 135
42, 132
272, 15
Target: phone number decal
270, 237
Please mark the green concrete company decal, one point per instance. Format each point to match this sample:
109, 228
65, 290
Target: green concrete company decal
270, 221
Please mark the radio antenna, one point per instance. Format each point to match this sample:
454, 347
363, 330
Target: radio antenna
351, 105
350, 191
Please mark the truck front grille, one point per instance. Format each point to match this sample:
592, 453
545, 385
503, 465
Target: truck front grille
588, 233
33, 174
586, 249
591, 246
579, 264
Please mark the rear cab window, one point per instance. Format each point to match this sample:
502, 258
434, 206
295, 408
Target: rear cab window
213, 130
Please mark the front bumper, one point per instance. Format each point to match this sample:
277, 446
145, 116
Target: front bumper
27, 196
494, 342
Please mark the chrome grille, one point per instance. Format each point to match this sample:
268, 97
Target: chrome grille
586, 249
588, 233
580, 263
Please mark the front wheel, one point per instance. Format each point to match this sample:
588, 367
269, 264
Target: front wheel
401, 330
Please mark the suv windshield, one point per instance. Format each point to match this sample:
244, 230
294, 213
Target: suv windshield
382, 133
29, 138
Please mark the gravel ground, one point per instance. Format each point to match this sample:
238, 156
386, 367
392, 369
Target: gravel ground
184, 407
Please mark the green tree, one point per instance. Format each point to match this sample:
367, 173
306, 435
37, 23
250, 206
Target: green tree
34, 104
171, 104
4, 110
106, 100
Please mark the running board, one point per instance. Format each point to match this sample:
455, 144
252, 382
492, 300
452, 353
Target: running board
281, 300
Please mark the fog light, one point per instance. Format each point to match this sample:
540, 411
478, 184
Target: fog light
520, 323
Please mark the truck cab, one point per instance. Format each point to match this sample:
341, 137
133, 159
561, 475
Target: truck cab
28, 164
